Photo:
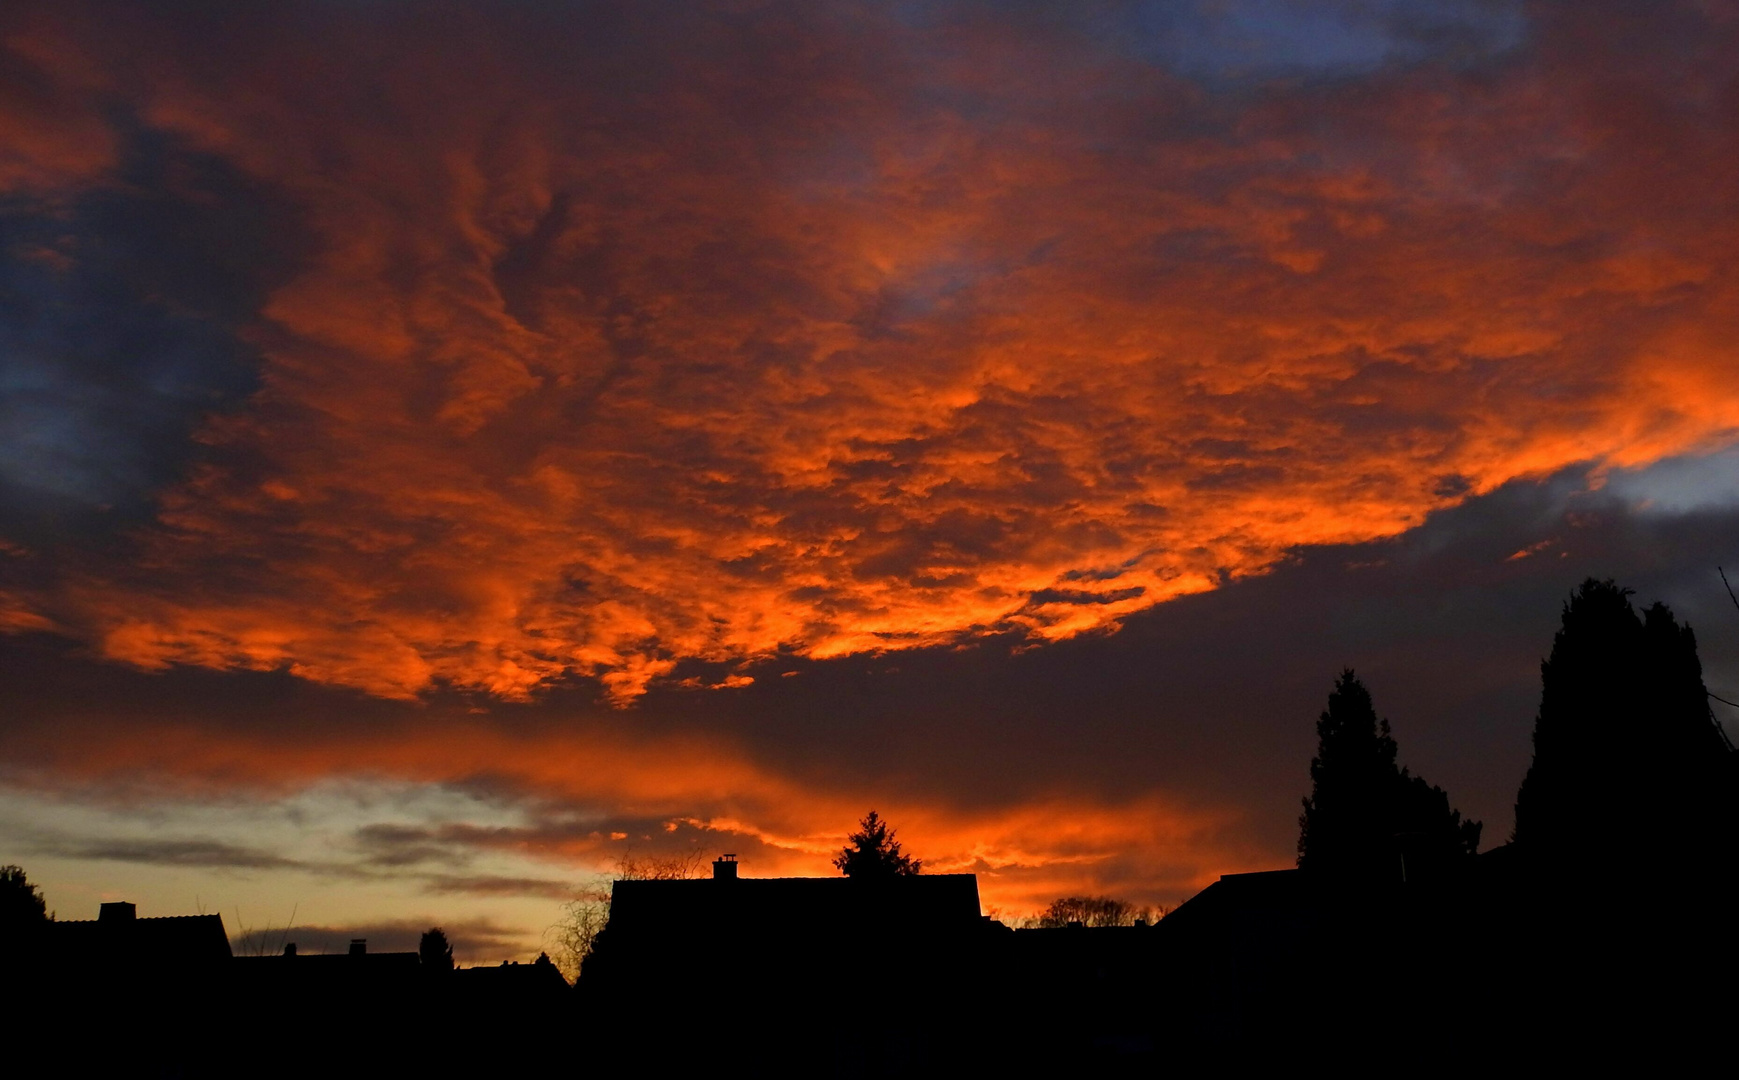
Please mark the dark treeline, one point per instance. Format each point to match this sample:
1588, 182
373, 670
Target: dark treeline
1600, 927
1631, 774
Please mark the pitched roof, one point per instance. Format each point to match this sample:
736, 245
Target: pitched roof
165, 940
538, 977
794, 905
737, 940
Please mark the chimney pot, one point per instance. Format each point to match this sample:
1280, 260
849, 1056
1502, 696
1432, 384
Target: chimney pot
117, 912
289, 948
725, 868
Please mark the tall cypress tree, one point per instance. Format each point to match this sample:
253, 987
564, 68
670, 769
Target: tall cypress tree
1628, 764
1366, 817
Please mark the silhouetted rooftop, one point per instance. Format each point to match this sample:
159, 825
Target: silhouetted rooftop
119, 934
538, 977
373, 960
1243, 892
936, 901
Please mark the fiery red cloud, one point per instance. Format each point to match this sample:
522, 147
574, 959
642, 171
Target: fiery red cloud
730, 335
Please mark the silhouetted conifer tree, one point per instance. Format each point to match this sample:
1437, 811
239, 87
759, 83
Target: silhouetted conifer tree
1366, 817
434, 951
872, 852
1628, 763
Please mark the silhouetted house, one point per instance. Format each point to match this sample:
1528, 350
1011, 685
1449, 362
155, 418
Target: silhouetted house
515, 980
354, 972
772, 910
732, 955
1095, 987
1268, 902
531, 995
117, 937
122, 994
1281, 958
1242, 942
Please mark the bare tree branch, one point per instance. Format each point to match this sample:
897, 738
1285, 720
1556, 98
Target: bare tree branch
585, 916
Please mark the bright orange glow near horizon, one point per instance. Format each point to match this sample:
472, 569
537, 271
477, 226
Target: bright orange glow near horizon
1024, 854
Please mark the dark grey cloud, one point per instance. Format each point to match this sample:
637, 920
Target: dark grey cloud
1230, 43
472, 939
122, 315
391, 852
396, 845
485, 885
213, 854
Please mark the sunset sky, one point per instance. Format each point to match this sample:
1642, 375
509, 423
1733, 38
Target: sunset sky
445, 447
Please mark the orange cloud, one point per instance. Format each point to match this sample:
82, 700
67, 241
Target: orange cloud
606, 361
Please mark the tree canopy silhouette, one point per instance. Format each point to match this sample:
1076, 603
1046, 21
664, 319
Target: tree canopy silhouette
1628, 763
21, 903
22, 914
434, 950
872, 852
1365, 816
1092, 911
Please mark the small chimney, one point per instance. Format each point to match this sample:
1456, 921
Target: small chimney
289, 948
725, 868
358, 946
118, 912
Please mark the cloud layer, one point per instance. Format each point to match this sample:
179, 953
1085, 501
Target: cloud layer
1140, 764
613, 338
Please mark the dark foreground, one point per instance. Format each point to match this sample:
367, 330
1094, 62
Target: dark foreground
1505, 964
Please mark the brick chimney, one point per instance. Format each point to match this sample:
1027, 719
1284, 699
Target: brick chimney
358, 946
725, 868
117, 912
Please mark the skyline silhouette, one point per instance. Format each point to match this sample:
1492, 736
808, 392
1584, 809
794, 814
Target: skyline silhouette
1393, 916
